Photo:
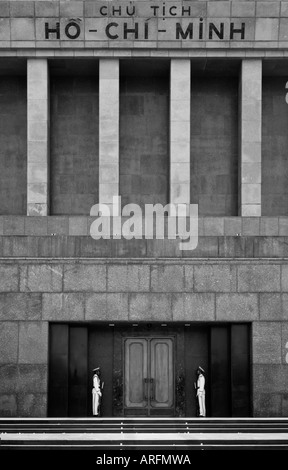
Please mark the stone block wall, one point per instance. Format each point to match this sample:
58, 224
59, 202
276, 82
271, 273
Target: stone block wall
51, 270
69, 236
23, 364
74, 145
13, 149
214, 148
265, 26
36, 292
270, 377
274, 147
144, 156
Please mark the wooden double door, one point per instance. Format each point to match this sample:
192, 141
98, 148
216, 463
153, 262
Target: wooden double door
149, 376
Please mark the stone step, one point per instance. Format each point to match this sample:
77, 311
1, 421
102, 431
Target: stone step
143, 433
126, 429
143, 440
149, 420
166, 425
143, 423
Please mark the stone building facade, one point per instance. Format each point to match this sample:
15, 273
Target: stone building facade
158, 102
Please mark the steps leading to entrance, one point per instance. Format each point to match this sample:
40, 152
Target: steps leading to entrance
143, 433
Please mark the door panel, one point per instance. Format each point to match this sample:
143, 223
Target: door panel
240, 370
196, 354
136, 360
101, 355
161, 393
149, 374
78, 348
220, 372
58, 370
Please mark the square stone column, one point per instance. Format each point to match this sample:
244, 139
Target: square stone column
180, 92
108, 130
250, 128
38, 137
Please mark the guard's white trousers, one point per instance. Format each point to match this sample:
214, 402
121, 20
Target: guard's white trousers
95, 402
201, 401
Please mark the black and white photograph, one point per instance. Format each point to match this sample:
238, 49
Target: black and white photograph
143, 231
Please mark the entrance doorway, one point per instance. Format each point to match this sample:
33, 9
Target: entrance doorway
149, 369
149, 376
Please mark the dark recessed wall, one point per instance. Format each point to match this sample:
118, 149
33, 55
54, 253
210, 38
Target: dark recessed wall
221, 350
274, 147
214, 145
74, 145
13, 145
144, 139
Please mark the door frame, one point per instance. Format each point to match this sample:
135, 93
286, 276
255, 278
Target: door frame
148, 330
149, 410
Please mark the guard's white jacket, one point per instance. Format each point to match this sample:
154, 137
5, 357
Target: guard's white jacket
200, 384
96, 385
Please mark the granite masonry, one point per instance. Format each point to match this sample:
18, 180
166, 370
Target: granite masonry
188, 107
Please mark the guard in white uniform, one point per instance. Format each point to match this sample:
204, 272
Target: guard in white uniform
96, 392
201, 391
